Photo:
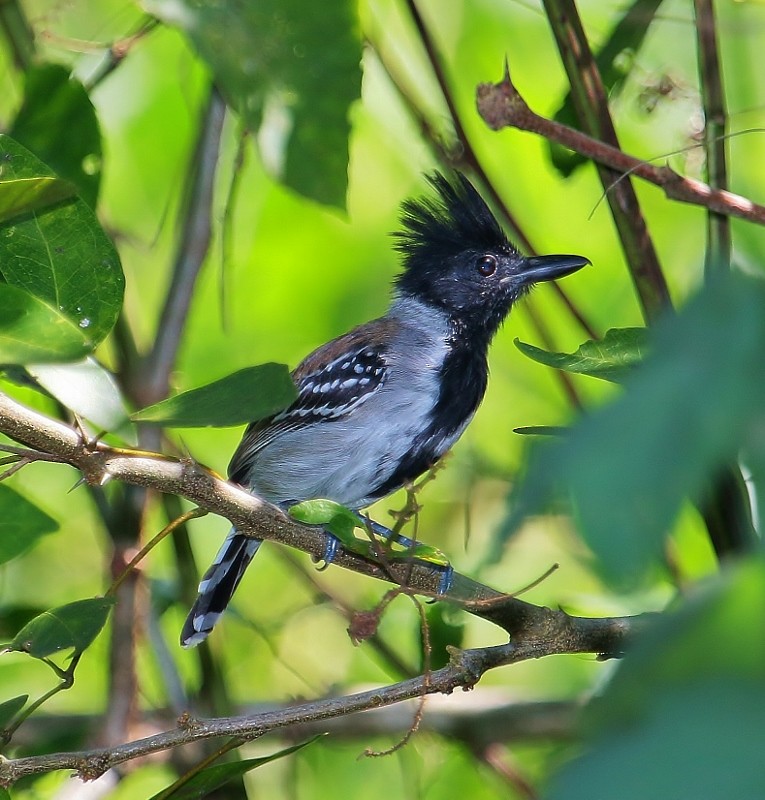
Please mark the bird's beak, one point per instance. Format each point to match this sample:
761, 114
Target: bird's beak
548, 268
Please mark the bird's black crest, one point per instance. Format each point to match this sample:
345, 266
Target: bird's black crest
456, 220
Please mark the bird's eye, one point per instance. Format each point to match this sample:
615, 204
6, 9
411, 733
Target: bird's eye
487, 265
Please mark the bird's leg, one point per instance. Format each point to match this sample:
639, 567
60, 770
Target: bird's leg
413, 548
331, 546
339, 524
386, 533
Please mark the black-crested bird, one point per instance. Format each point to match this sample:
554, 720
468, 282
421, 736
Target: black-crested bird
379, 405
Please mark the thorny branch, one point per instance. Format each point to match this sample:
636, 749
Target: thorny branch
501, 106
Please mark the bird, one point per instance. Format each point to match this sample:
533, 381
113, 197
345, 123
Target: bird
380, 405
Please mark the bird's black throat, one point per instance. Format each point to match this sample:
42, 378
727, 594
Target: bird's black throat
463, 378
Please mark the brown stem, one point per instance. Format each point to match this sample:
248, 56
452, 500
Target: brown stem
713, 99
501, 106
464, 671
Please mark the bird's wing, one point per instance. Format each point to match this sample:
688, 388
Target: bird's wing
331, 382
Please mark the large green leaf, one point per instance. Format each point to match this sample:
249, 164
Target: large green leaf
292, 70
246, 396
682, 715
611, 358
60, 254
71, 626
686, 412
21, 524
54, 101
30, 330
212, 778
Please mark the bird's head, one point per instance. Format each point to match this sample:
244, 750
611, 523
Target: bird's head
457, 258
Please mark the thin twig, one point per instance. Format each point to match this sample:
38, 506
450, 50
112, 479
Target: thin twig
464, 671
195, 513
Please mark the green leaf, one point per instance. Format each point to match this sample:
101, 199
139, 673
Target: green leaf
291, 69
60, 255
14, 617
335, 517
18, 197
630, 465
541, 430
611, 358
54, 101
246, 396
86, 388
687, 700
21, 524
700, 741
9, 708
30, 330
212, 778
71, 626
625, 41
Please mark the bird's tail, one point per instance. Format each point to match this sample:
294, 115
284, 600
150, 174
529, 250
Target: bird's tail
218, 585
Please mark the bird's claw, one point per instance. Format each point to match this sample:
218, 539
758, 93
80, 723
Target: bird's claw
331, 546
445, 583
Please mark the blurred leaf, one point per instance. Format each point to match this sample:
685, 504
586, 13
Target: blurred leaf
625, 41
30, 330
54, 102
685, 412
727, 610
71, 626
86, 388
246, 396
687, 700
701, 741
292, 70
22, 196
9, 708
212, 778
61, 254
21, 524
4, 794
611, 358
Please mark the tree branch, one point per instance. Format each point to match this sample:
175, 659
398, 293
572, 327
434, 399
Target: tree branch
535, 631
464, 671
501, 106
154, 375
252, 516
713, 99
590, 101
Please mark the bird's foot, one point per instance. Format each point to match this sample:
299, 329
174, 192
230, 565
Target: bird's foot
412, 549
340, 523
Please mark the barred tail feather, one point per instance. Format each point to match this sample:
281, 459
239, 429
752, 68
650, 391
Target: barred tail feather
217, 587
